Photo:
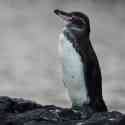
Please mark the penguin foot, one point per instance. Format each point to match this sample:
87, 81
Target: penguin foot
68, 114
86, 111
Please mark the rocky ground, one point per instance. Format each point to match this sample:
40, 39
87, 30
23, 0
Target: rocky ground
16, 111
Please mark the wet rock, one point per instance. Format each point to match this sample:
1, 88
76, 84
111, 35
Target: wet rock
16, 111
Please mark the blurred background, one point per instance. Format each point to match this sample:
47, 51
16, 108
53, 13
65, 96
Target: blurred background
29, 62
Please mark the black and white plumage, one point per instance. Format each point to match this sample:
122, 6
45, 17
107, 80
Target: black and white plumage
81, 70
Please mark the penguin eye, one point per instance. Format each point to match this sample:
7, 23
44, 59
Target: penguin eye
78, 21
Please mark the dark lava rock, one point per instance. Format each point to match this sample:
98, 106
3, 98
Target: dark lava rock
16, 111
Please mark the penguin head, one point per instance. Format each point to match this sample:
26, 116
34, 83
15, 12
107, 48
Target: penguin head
76, 22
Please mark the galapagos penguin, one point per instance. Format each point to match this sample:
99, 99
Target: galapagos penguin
81, 70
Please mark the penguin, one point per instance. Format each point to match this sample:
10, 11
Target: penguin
80, 65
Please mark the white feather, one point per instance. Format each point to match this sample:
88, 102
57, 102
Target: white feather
73, 75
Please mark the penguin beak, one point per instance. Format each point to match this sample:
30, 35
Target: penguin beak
64, 15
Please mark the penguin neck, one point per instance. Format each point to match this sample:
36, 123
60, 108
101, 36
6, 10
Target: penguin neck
79, 37
81, 43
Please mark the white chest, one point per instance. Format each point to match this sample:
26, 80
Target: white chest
73, 75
